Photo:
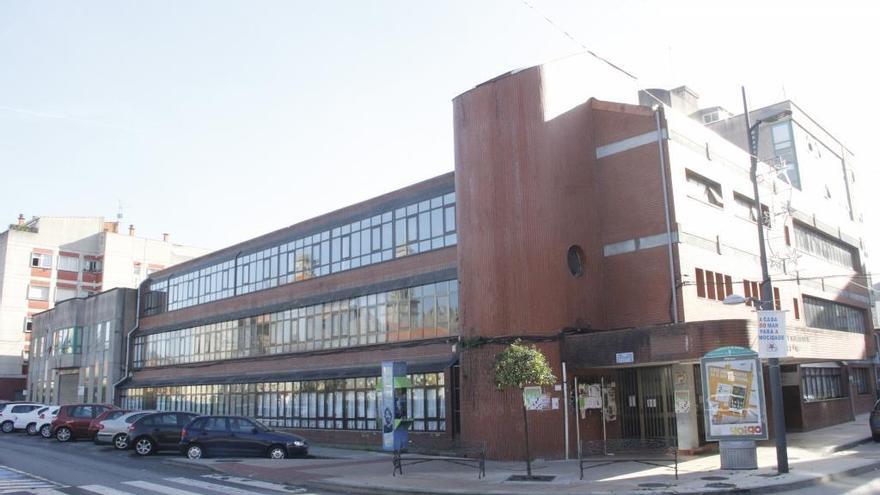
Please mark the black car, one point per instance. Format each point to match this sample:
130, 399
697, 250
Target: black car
238, 436
157, 431
875, 421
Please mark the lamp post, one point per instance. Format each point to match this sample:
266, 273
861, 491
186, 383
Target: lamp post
766, 300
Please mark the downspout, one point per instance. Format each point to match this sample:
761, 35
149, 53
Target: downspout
658, 110
137, 319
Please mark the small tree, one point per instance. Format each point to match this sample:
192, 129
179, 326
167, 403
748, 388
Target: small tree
520, 366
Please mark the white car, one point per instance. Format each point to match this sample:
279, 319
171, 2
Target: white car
44, 422
10, 421
28, 421
115, 430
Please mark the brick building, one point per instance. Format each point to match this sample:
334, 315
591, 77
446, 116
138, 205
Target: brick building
606, 233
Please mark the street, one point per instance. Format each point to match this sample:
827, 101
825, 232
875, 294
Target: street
32, 465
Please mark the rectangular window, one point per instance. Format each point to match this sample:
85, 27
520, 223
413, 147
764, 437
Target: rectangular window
710, 284
68, 263
785, 157
41, 260
860, 380
719, 286
64, 293
38, 293
777, 302
701, 284
822, 384
92, 266
830, 315
797, 309
703, 189
744, 207
825, 247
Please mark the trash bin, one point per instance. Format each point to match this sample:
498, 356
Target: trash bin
738, 454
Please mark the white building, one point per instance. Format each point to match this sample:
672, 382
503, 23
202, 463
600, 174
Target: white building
50, 259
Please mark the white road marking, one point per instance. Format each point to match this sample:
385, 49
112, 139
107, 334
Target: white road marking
210, 486
48, 491
255, 484
13, 480
103, 490
166, 490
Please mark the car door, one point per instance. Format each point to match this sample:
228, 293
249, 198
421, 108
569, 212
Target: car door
214, 436
167, 433
81, 417
183, 419
244, 437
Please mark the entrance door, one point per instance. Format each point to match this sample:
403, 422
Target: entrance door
646, 403
67, 388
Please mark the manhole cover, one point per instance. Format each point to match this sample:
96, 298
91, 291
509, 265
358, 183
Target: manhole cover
654, 485
720, 485
522, 477
714, 478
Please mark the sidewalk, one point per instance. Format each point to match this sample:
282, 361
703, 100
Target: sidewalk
814, 457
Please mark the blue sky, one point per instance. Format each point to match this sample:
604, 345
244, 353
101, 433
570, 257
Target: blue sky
217, 121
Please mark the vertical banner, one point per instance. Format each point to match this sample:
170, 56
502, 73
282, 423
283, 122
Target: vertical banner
733, 391
772, 335
394, 386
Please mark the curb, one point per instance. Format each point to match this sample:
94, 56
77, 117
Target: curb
848, 445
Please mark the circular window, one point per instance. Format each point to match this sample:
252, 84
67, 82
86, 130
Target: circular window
576, 260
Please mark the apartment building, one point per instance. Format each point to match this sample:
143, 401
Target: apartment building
604, 232
51, 259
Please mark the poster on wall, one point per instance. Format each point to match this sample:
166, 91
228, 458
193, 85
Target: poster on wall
733, 391
535, 399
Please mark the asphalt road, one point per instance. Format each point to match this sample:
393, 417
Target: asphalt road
33, 465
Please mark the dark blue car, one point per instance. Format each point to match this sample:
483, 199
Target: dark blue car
237, 436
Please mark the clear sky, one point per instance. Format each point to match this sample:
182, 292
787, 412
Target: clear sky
218, 121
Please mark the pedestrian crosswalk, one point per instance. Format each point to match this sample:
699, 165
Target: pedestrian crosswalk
19, 483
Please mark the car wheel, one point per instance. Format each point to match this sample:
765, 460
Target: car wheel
31, 429
144, 446
7, 427
63, 434
277, 452
876, 437
46, 431
195, 451
120, 441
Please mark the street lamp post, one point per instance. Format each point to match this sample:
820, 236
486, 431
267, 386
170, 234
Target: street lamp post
766, 299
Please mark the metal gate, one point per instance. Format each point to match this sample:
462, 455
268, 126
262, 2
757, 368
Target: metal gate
646, 403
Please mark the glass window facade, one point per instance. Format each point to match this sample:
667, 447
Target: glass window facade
416, 228
824, 247
783, 149
822, 384
67, 341
339, 404
412, 313
820, 313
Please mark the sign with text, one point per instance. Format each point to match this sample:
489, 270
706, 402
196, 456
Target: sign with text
535, 399
772, 334
733, 395
624, 358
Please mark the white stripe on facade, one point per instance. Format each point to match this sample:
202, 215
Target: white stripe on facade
627, 144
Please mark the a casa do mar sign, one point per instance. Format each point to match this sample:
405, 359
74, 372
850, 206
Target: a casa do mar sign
733, 395
772, 342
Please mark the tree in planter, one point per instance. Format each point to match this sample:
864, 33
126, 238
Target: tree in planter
520, 366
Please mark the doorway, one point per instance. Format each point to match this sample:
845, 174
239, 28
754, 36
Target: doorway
646, 403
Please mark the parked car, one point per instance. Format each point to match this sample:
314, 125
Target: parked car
157, 431
73, 420
11, 413
44, 422
115, 431
238, 436
108, 414
875, 421
28, 421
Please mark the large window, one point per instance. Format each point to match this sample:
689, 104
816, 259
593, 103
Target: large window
41, 260
38, 293
416, 228
861, 380
67, 341
824, 247
413, 313
64, 293
822, 383
703, 189
340, 404
68, 263
820, 313
784, 153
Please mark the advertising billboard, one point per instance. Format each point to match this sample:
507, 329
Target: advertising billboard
733, 394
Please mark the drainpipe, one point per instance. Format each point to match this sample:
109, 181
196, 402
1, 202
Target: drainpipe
657, 111
137, 319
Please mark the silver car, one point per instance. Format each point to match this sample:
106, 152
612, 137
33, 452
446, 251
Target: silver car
115, 431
